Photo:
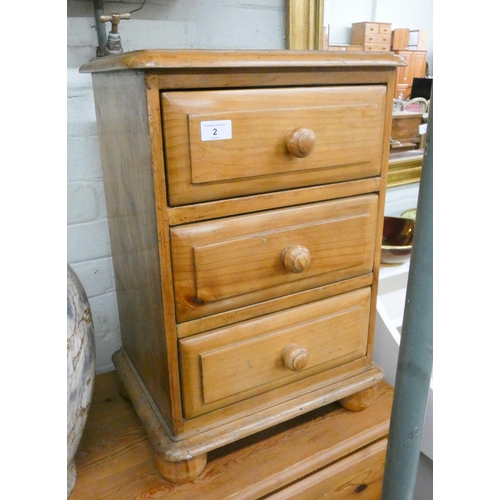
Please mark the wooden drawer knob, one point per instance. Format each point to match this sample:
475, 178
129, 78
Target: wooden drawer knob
295, 357
300, 142
296, 258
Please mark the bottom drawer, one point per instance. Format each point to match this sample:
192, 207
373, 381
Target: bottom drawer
231, 364
359, 476
378, 47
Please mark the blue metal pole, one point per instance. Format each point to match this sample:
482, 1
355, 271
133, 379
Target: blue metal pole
100, 27
414, 368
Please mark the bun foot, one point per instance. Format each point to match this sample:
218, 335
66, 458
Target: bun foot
121, 389
360, 400
183, 471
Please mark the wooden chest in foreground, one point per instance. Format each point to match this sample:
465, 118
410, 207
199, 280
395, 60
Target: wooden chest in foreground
326, 453
245, 196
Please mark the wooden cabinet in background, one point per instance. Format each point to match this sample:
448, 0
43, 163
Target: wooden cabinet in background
405, 133
416, 62
371, 36
245, 197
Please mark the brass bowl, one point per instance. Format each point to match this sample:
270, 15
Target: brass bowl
395, 254
397, 240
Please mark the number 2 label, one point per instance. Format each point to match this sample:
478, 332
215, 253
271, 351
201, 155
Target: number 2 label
216, 131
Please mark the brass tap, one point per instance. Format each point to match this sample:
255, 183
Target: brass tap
114, 43
115, 20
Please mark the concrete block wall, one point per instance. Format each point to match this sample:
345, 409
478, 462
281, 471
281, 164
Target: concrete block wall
225, 24
88, 244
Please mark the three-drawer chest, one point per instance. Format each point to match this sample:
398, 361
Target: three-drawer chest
245, 197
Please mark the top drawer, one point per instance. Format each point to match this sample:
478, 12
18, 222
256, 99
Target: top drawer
221, 144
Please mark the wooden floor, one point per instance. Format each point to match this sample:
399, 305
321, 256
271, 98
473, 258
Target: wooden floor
115, 460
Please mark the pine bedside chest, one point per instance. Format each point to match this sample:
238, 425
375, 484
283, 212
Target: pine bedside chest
245, 196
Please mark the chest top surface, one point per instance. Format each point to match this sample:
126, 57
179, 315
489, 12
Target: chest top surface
155, 60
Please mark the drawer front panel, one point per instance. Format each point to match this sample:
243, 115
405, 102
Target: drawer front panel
219, 265
258, 132
358, 476
385, 29
369, 27
232, 364
384, 39
378, 47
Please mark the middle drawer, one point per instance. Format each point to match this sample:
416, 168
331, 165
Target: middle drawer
233, 262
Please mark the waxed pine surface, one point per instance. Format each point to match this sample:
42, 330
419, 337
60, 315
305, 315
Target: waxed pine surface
115, 459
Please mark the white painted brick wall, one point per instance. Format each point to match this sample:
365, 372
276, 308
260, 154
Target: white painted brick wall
237, 24
401, 198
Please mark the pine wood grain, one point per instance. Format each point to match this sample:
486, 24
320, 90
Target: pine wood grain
191, 59
115, 460
129, 180
232, 364
145, 165
347, 122
223, 264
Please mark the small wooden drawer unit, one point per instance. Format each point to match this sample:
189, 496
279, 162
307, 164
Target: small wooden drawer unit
245, 197
372, 36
